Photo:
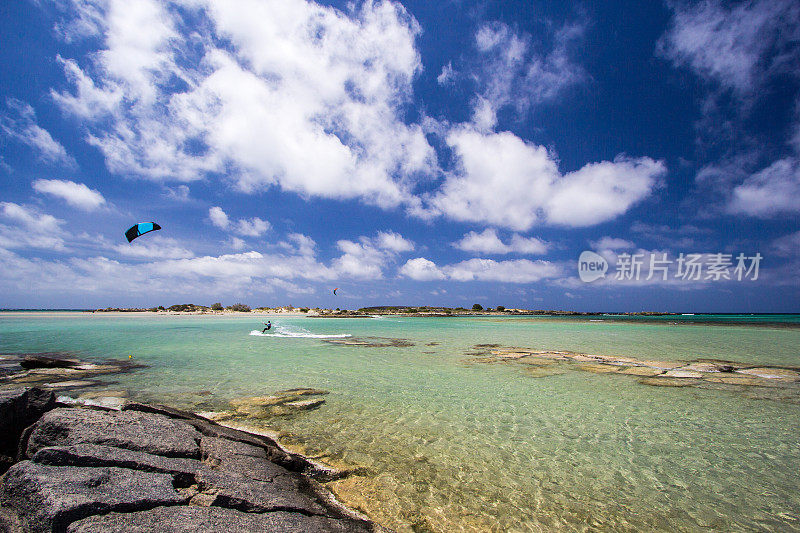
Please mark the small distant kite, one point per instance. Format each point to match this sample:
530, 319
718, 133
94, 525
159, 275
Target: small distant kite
334, 290
141, 229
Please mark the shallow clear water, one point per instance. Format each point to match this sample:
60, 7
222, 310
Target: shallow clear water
453, 445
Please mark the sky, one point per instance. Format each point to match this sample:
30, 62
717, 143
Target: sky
408, 153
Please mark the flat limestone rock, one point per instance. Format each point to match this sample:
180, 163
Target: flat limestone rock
667, 382
641, 371
282, 493
734, 379
48, 498
771, 373
132, 430
95, 455
707, 367
599, 369
663, 365
681, 373
192, 519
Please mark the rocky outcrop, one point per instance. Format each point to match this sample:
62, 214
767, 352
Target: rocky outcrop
153, 468
19, 408
48, 498
192, 519
130, 430
59, 371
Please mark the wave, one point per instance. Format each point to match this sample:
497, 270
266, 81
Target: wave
295, 332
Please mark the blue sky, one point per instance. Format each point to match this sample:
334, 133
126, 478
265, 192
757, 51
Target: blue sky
409, 153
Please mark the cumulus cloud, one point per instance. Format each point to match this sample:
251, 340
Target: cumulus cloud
421, 269
488, 242
479, 269
507, 182
251, 92
367, 258
389, 240
26, 227
253, 227
20, 124
75, 194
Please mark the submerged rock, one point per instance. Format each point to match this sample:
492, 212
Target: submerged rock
641, 371
305, 405
599, 369
667, 382
372, 342
279, 404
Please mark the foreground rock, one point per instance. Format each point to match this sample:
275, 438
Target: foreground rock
190, 519
85, 470
48, 498
19, 408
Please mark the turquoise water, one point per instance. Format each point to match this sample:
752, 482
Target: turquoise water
452, 445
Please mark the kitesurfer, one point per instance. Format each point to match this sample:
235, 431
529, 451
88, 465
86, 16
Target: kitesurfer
268, 323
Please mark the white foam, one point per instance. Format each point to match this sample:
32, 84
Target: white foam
294, 332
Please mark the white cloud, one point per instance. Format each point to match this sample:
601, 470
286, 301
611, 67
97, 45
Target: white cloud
251, 92
447, 74
389, 240
734, 45
512, 271
75, 194
488, 242
179, 193
513, 73
611, 243
772, 191
253, 227
21, 126
28, 228
219, 218
504, 181
367, 258
421, 269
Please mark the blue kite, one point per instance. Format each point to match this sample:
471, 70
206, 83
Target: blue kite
141, 229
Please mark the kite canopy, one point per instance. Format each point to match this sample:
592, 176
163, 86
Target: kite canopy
141, 229
336, 289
